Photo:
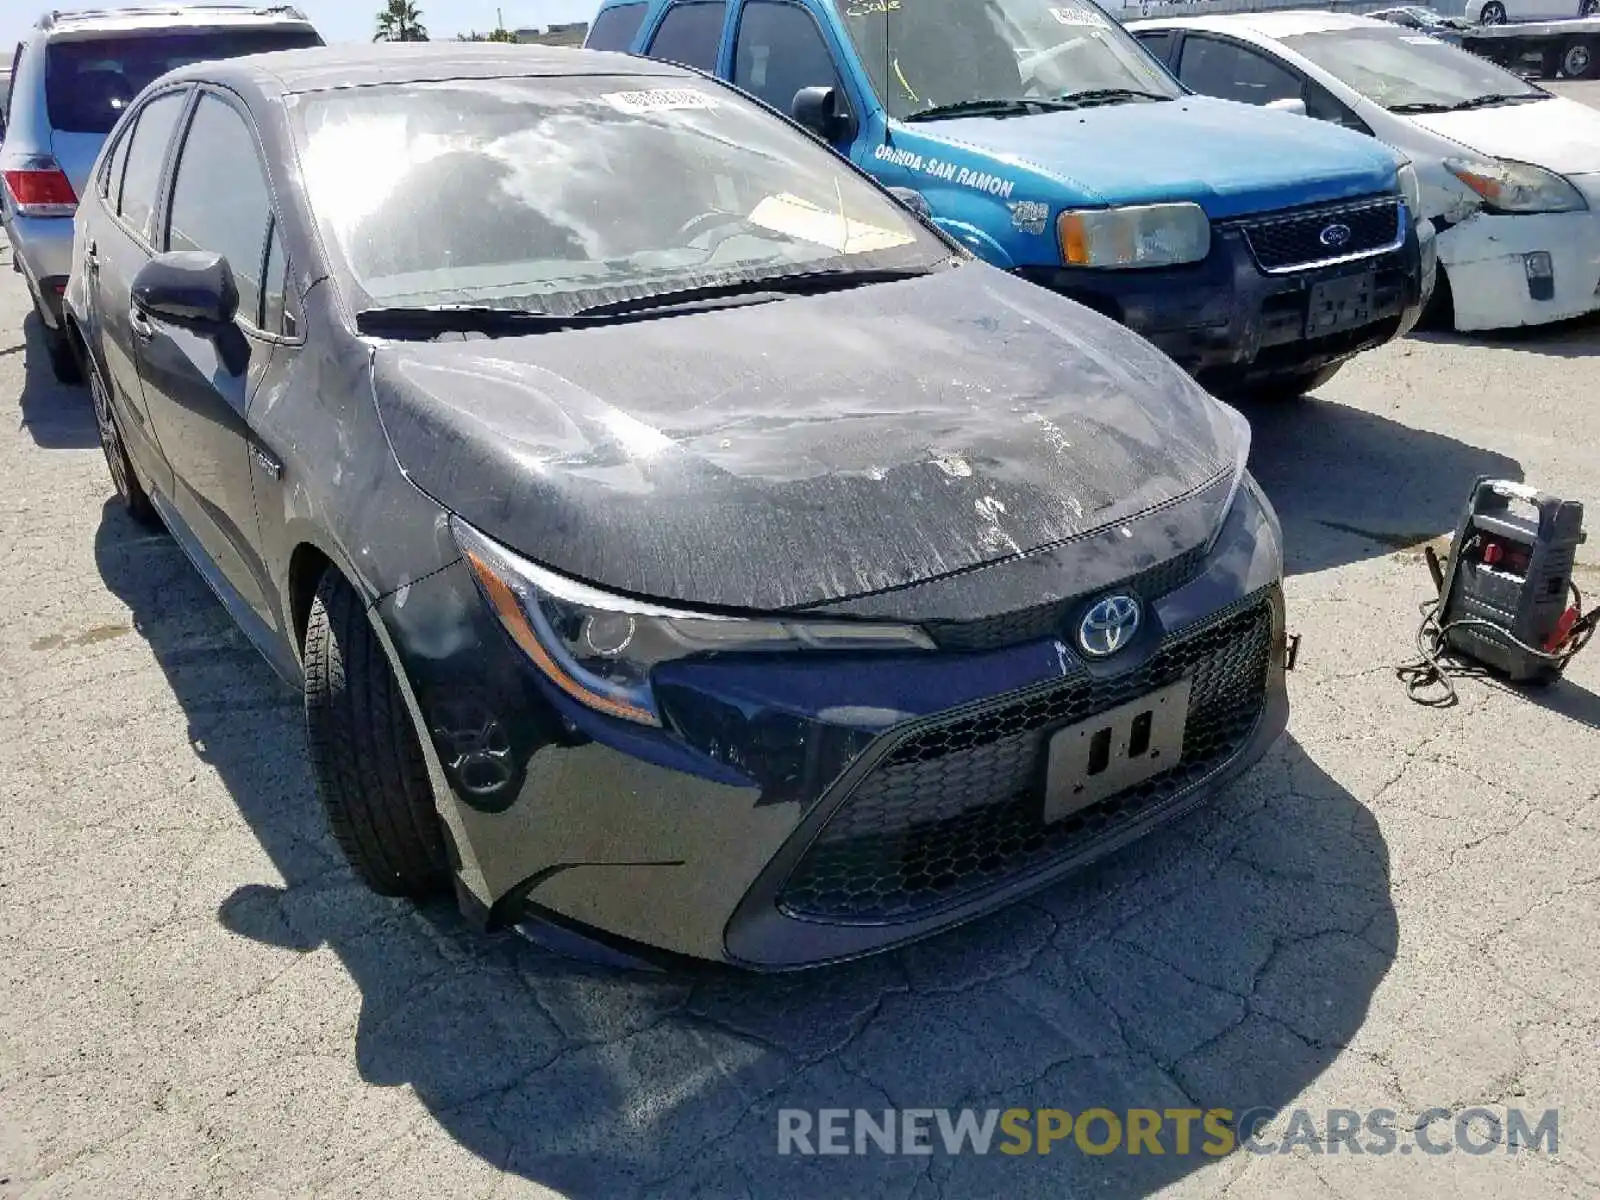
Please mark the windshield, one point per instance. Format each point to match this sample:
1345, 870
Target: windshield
924, 54
558, 194
89, 83
1400, 70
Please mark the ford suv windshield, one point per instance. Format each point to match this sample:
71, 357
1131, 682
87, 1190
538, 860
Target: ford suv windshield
1406, 73
89, 82
932, 58
562, 196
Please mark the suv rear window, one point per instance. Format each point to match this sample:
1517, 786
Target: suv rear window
89, 83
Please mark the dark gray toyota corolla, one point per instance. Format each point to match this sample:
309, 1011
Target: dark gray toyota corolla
676, 539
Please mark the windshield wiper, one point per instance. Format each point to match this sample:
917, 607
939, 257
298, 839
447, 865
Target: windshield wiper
755, 290
432, 319
1495, 98
981, 108
1108, 96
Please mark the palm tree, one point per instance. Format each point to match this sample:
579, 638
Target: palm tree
400, 21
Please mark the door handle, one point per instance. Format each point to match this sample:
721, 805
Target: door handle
140, 323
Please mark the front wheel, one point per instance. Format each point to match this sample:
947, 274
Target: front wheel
365, 756
1494, 13
1292, 386
1578, 61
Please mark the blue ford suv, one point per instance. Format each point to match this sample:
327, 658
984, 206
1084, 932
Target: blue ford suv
1257, 248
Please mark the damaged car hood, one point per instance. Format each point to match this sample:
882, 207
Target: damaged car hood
805, 450
1558, 134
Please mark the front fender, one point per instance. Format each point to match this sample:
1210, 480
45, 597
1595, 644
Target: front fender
976, 240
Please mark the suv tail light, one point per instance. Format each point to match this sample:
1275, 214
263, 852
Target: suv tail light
40, 188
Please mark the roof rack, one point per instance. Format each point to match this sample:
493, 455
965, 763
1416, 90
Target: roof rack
51, 18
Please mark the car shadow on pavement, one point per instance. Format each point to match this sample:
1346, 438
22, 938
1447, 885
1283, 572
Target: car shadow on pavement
1351, 485
57, 416
1577, 338
1221, 962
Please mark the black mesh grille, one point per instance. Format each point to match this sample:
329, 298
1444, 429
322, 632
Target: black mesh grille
1293, 241
956, 807
1049, 620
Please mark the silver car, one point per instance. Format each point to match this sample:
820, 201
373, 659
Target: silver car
72, 77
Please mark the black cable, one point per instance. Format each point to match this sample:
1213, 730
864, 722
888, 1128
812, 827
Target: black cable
1437, 665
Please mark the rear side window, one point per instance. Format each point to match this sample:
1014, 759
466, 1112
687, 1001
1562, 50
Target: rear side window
614, 29
689, 34
147, 154
219, 198
88, 84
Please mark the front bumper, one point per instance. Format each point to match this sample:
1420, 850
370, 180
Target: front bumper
1486, 260
42, 250
707, 839
1230, 324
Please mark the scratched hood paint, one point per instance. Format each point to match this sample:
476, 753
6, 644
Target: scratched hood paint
807, 450
1231, 159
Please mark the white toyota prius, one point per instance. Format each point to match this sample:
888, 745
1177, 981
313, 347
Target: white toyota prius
1510, 172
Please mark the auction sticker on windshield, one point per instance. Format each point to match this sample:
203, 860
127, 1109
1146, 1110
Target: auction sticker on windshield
658, 100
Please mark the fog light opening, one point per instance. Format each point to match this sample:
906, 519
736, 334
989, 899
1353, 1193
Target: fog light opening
1540, 269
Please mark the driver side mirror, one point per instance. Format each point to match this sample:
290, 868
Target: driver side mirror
193, 289
1291, 104
820, 110
913, 200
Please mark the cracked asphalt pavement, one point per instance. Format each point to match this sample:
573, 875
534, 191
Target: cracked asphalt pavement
1397, 909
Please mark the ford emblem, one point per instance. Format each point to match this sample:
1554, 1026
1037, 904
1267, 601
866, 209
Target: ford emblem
1109, 625
1334, 236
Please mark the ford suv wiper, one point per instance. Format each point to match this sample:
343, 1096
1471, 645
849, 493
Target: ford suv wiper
982, 108
1111, 95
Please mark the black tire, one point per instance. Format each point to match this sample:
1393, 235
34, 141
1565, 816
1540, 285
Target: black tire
1494, 13
1291, 387
1580, 59
64, 362
1440, 314
126, 480
365, 756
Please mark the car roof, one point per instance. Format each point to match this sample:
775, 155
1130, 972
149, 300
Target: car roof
326, 67
1267, 24
101, 22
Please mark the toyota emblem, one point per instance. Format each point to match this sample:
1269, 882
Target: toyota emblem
1334, 236
1109, 625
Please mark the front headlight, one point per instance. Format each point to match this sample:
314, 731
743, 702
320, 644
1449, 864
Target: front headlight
1411, 190
1514, 187
1241, 459
599, 648
1145, 235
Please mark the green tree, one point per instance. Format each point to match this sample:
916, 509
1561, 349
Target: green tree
400, 21
494, 35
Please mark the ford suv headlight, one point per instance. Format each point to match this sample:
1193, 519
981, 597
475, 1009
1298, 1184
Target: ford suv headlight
1515, 187
599, 648
1411, 190
1144, 235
